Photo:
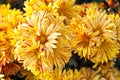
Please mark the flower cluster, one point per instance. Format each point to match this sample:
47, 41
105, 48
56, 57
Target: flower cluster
40, 40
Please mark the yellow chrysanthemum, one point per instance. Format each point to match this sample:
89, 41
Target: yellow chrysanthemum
103, 68
61, 53
93, 37
58, 74
106, 45
49, 75
66, 8
10, 18
89, 74
5, 48
80, 39
115, 18
8, 21
100, 25
4, 9
112, 74
42, 44
35, 5
5, 52
71, 75
82, 74
106, 51
82, 9
92, 8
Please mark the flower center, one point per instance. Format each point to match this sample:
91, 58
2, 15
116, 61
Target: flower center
42, 38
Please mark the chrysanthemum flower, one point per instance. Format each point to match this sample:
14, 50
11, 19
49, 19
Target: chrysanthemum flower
5, 48
66, 8
58, 74
61, 53
42, 45
92, 7
102, 28
82, 74
104, 37
82, 9
71, 75
5, 53
80, 39
106, 51
93, 37
89, 74
9, 19
103, 68
115, 18
108, 47
35, 5
5, 9
112, 74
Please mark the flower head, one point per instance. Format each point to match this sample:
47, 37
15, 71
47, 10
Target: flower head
36, 5
104, 37
80, 38
66, 8
93, 37
8, 21
106, 51
38, 47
